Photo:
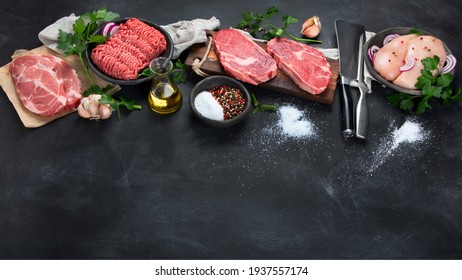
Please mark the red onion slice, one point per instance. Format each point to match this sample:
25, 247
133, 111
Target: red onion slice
372, 51
388, 38
113, 29
449, 64
408, 65
107, 28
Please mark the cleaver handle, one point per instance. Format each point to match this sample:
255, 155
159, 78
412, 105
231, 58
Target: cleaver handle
346, 103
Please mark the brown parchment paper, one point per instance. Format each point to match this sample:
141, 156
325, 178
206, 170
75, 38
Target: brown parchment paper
28, 118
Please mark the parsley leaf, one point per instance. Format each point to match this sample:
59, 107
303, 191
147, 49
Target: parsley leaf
255, 22
431, 63
434, 87
178, 73
426, 79
115, 104
270, 11
98, 39
406, 104
444, 80
145, 73
95, 89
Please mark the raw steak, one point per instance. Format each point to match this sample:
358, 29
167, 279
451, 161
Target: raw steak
242, 58
46, 84
306, 66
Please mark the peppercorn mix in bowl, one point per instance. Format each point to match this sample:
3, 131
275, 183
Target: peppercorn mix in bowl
220, 101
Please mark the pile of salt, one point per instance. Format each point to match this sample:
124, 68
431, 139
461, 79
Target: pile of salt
409, 132
208, 106
293, 123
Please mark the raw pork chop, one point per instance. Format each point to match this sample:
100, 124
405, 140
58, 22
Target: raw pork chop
242, 58
306, 66
46, 84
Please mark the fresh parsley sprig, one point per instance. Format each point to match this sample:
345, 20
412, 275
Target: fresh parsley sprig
256, 22
434, 87
129, 104
75, 43
178, 73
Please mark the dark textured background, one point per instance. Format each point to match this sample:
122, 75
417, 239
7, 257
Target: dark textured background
152, 187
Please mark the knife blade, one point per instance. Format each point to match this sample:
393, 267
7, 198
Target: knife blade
361, 106
348, 36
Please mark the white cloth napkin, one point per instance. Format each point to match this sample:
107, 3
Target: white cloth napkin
184, 33
49, 35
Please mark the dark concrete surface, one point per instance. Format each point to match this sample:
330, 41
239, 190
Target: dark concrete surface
170, 187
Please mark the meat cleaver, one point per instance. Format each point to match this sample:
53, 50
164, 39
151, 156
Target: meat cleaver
350, 38
361, 106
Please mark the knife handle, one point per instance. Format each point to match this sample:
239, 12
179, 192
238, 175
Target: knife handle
347, 111
361, 115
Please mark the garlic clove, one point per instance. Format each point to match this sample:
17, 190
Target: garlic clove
85, 102
105, 111
93, 109
311, 27
82, 112
94, 97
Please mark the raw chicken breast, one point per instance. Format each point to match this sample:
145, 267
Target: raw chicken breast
420, 48
390, 57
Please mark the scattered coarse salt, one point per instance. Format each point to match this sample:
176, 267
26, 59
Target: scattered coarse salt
208, 106
410, 132
293, 123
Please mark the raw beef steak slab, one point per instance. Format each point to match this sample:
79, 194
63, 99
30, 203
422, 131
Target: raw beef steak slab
242, 58
46, 85
306, 66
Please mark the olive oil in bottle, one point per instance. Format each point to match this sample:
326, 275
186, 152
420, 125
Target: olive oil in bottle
164, 96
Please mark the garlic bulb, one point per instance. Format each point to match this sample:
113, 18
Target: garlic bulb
90, 108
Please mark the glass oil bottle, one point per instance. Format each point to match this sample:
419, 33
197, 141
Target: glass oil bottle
164, 96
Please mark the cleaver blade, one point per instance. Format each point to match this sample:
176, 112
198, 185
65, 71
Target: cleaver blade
348, 37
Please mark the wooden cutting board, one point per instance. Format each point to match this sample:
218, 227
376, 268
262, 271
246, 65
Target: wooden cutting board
281, 83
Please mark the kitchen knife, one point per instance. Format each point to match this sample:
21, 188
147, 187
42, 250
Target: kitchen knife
361, 106
348, 36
